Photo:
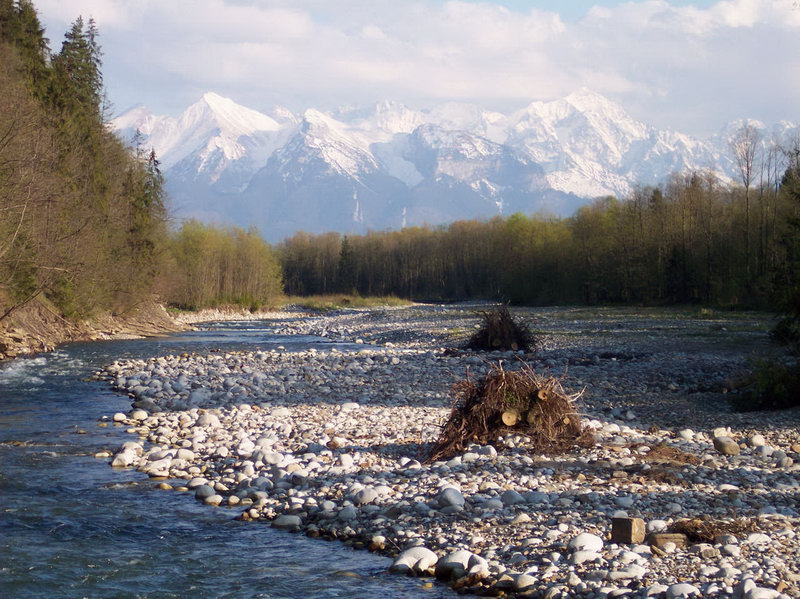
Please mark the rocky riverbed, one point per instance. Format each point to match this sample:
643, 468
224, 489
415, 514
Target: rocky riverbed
330, 443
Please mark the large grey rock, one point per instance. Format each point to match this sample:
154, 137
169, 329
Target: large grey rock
450, 497
511, 497
289, 522
204, 491
347, 513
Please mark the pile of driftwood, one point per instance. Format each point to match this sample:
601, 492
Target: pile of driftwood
509, 401
501, 332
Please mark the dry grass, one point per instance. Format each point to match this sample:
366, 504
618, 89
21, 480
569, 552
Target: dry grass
705, 530
663, 453
544, 412
324, 303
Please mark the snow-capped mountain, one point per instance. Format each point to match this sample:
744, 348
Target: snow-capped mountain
389, 165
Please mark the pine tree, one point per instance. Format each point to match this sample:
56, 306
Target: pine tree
78, 80
20, 26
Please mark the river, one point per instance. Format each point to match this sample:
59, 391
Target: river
71, 526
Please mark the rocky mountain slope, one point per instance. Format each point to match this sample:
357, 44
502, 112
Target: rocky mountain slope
388, 165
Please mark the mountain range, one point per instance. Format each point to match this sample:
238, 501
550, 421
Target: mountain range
389, 166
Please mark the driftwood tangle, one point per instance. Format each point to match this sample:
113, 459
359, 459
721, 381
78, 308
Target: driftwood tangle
509, 401
500, 331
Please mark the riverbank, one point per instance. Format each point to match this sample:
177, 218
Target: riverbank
36, 328
329, 443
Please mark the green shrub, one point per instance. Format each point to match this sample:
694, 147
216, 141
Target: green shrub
772, 385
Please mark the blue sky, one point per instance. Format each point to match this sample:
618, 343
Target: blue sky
688, 66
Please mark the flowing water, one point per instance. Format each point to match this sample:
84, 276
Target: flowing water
71, 526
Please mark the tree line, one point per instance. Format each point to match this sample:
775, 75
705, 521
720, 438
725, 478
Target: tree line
693, 239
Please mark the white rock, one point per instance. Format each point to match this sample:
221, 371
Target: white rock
761, 593
123, 459
656, 526
414, 560
634, 571
365, 496
586, 542
758, 538
524, 581
584, 555
682, 589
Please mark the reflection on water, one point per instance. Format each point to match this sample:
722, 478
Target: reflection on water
70, 526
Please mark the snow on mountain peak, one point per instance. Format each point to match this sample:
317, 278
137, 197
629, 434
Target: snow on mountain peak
345, 151
136, 118
455, 160
232, 118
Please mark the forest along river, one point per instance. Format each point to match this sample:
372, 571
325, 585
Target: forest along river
72, 526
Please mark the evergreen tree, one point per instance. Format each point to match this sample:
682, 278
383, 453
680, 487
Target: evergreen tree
20, 26
346, 279
78, 82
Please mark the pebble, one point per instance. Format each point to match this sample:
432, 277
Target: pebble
325, 441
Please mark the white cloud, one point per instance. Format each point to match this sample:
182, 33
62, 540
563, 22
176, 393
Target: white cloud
679, 64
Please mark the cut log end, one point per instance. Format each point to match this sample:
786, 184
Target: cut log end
510, 417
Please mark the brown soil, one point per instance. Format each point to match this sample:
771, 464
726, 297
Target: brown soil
38, 328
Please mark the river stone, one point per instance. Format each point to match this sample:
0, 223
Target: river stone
584, 555
139, 415
414, 560
758, 538
120, 417
761, 593
726, 446
347, 513
204, 491
450, 497
511, 497
289, 522
682, 589
586, 542
524, 582
634, 571
123, 459
213, 499
453, 565
208, 419
364, 496
185, 454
